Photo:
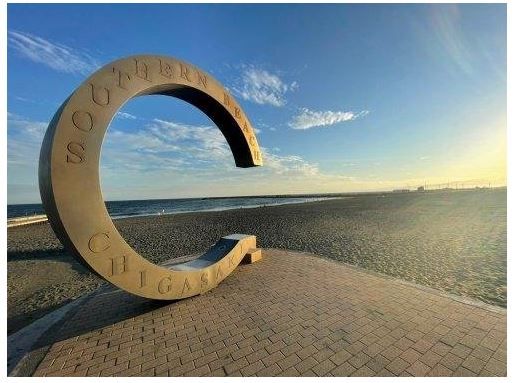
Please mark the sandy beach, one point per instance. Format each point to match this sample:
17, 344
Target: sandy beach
454, 241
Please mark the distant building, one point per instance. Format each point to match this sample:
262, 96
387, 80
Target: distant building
401, 190
420, 188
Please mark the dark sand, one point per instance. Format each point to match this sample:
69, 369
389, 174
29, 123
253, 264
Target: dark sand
453, 241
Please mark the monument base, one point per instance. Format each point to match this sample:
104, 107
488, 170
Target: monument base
252, 256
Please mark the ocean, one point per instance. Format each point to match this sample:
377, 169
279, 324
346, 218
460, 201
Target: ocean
123, 209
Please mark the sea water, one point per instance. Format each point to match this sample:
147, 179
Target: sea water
123, 209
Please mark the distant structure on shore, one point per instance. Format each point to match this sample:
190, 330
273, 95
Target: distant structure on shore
448, 186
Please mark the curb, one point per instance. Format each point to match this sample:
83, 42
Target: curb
19, 344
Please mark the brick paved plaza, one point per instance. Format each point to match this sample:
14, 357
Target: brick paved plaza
290, 314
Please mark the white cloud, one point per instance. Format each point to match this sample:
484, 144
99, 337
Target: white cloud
170, 158
307, 119
24, 138
262, 87
288, 164
57, 56
166, 145
206, 143
126, 116
163, 146
22, 99
200, 142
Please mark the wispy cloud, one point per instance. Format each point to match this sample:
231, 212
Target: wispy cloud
307, 119
198, 142
23, 99
21, 125
126, 116
445, 38
54, 55
170, 158
262, 87
162, 145
24, 140
289, 164
446, 23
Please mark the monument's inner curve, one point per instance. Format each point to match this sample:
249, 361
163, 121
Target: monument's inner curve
219, 115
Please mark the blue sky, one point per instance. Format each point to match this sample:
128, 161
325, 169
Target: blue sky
343, 97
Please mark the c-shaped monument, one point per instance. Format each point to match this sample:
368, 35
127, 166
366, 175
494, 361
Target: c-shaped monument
69, 181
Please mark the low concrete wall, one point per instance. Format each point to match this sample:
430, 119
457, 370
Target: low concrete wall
26, 220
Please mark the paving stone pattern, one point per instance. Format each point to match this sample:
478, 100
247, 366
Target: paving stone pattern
291, 314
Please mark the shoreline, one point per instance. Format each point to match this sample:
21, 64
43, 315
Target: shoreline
37, 218
316, 196
453, 242
118, 217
